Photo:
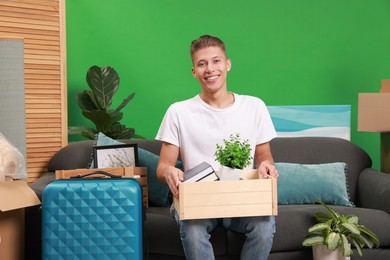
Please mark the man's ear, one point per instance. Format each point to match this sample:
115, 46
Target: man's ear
193, 72
229, 64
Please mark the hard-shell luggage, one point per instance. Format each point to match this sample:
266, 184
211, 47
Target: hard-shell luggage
92, 219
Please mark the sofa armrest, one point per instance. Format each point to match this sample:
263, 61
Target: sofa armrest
38, 185
374, 190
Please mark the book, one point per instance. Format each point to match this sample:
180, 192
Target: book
202, 172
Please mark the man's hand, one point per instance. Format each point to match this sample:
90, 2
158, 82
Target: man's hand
266, 169
173, 176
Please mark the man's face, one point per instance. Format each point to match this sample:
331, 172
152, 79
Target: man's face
210, 67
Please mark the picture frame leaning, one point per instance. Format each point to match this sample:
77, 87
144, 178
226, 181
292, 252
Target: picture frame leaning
114, 156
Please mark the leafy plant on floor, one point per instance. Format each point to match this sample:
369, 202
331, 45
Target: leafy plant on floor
96, 106
235, 153
335, 230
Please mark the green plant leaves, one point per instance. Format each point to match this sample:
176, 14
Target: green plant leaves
369, 235
340, 231
346, 245
352, 228
313, 241
96, 103
332, 240
102, 119
86, 101
104, 83
125, 102
235, 153
84, 131
319, 227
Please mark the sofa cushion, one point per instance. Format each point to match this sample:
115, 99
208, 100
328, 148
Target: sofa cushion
304, 183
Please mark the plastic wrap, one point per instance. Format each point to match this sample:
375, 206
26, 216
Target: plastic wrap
12, 162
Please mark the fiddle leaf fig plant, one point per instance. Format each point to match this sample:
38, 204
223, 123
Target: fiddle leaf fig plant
335, 230
96, 106
235, 153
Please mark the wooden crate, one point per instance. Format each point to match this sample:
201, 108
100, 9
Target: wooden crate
220, 199
139, 173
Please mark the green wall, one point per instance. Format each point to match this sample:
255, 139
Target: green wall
302, 52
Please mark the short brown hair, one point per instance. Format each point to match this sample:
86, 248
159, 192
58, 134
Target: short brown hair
206, 41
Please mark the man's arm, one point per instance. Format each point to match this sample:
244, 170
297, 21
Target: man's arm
166, 170
264, 161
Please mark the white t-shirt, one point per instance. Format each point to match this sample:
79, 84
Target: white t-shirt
196, 127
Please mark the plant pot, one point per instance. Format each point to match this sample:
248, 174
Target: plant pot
227, 173
321, 252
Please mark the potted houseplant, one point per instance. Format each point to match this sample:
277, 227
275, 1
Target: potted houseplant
338, 232
96, 106
234, 155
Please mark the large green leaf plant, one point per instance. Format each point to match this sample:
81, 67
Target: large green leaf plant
96, 102
335, 230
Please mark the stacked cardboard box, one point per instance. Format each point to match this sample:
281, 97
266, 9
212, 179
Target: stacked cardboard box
374, 116
15, 196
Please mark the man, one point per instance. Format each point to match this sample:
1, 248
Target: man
195, 126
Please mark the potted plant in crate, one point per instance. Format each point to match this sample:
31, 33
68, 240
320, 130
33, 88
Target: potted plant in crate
336, 232
96, 102
233, 156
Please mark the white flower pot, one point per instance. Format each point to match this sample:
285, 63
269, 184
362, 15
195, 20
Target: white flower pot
227, 173
321, 252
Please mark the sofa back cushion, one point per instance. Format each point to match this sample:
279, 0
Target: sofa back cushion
316, 150
75, 155
305, 150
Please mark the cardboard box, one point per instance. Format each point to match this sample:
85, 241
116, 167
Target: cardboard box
374, 110
220, 199
134, 172
374, 116
14, 197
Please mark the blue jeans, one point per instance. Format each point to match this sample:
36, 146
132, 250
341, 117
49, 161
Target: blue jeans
195, 236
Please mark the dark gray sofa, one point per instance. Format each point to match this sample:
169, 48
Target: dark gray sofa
369, 191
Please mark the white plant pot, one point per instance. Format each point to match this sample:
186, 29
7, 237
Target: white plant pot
227, 173
321, 252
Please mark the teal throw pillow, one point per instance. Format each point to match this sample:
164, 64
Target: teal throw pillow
158, 193
304, 183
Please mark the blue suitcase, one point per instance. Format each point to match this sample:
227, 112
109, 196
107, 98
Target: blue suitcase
92, 219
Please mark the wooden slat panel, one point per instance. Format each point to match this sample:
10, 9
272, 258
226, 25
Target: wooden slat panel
41, 23
47, 6
37, 116
41, 42
45, 150
17, 12
29, 33
23, 22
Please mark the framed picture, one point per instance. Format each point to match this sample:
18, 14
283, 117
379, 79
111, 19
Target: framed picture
114, 156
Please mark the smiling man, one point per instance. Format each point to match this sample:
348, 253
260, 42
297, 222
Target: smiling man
193, 127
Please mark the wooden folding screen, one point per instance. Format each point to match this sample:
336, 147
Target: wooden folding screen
41, 23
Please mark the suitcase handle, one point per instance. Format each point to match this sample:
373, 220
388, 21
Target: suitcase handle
107, 174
